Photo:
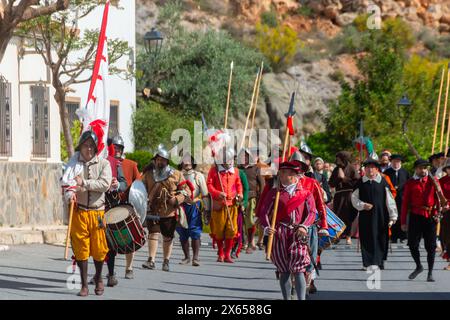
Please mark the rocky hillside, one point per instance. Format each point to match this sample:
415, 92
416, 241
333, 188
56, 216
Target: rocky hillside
316, 22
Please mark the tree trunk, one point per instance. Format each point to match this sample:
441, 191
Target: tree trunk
60, 97
5, 36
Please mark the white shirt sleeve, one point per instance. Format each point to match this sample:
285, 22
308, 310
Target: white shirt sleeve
391, 206
356, 202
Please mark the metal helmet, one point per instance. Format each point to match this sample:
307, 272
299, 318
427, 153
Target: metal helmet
162, 152
299, 157
305, 148
85, 136
118, 140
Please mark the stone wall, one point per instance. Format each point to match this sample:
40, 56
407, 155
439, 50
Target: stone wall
30, 194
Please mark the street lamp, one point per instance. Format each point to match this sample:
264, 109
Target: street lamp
404, 108
153, 42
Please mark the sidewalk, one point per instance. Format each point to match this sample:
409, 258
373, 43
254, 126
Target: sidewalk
53, 234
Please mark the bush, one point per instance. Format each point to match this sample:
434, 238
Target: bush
279, 45
153, 124
141, 157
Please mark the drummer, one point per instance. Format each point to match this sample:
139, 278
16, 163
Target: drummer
126, 173
87, 190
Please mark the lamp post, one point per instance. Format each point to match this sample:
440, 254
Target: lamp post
153, 41
404, 106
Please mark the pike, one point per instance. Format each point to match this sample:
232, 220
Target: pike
289, 130
445, 110
437, 111
250, 110
255, 104
229, 94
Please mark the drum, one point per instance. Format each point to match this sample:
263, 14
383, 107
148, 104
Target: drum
124, 231
335, 229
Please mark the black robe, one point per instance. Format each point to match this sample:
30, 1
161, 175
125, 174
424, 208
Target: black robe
373, 224
398, 180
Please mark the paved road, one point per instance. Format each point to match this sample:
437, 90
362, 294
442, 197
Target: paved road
38, 272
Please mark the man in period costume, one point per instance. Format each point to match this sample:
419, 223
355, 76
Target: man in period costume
92, 178
193, 209
131, 173
225, 188
384, 161
445, 222
256, 185
296, 214
344, 179
419, 216
127, 172
113, 199
166, 193
437, 160
377, 213
309, 181
239, 239
398, 176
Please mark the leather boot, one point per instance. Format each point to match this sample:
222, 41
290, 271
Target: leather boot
83, 265
99, 286
228, 248
220, 254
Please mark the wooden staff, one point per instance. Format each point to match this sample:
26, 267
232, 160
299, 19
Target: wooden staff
445, 110
229, 94
250, 110
437, 111
66, 252
290, 114
255, 105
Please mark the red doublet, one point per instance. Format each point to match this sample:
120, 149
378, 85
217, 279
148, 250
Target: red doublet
418, 198
313, 186
231, 182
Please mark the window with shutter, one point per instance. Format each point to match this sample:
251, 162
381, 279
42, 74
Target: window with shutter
113, 120
5, 118
71, 108
40, 120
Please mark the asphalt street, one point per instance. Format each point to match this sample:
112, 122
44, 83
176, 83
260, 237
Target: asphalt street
39, 272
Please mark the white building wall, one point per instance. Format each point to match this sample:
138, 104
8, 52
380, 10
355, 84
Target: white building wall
121, 25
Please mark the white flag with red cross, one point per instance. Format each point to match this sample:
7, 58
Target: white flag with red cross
95, 114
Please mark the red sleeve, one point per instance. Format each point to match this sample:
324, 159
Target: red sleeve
320, 205
311, 212
212, 176
238, 182
405, 203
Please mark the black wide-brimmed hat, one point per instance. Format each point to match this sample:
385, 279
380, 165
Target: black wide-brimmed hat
372, 161
421, 162
396, 157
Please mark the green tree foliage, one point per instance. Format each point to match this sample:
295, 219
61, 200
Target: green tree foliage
75, 133
387, 74
141, 157
193, 73
153, 124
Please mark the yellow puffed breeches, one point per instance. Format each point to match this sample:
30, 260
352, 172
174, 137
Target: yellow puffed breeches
88, 239
221, 226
